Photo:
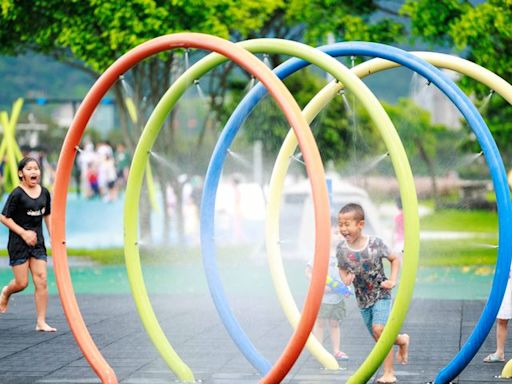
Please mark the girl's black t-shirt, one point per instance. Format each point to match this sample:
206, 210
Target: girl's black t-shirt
28, 213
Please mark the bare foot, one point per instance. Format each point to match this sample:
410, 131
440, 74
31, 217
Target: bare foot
402, 355
4, 301
43, 327
387, 379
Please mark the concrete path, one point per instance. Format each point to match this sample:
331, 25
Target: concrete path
437, 328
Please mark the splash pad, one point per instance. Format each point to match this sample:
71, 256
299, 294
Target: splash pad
314, 167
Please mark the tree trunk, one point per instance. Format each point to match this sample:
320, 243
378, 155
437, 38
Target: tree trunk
180, 220
431, 171
166, 219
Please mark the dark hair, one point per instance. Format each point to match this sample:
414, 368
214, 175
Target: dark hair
24, 162
353, 208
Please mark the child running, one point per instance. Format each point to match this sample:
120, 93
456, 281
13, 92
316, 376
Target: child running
332, 311
360, 262
23, 214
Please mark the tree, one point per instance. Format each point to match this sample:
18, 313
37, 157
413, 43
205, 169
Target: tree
480, 32
90, 35
418, 135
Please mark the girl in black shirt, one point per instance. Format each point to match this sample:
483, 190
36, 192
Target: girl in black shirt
23, 213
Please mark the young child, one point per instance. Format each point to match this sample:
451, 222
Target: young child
504, 315
360, 262
331, 313
23, 214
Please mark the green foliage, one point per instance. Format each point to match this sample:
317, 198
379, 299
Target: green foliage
485, 29
414, 126
481, 32
332, 128
96, 32
430, 20
345, 20
91, 34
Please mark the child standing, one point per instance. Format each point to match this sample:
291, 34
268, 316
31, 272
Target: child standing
23, 214
360, 262
331, 313
502, 319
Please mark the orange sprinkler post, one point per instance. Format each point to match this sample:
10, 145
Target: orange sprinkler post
313, 165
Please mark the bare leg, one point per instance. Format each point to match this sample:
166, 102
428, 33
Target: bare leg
38, 269
389, 372
501, 337
319, 330
4, 300
19, 283
402, 356
335, 334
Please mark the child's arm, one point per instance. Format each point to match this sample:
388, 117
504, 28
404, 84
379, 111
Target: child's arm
28, 236
346, 276
47, 223
308, 271
395, 267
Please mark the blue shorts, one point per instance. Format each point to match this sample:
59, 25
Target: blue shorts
377, 314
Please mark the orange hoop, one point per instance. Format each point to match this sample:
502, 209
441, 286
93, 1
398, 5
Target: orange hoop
309, 150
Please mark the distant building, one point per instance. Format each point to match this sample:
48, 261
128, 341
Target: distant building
430, 98
102, 120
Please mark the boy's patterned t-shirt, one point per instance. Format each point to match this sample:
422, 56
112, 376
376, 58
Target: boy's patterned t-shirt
366, 264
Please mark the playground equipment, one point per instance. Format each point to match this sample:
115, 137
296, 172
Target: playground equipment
99, 89
10, 152
297, 341
391, 139
494, 161
315, 171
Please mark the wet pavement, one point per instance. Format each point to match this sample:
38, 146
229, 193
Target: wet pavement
437, 329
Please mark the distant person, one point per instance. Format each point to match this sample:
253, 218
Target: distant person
92, 181
23, 213
122, 160
111, 178
397, 243
86, 158
332, 311
77, 175
360, 262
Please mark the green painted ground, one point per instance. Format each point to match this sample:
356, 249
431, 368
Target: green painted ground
253, 278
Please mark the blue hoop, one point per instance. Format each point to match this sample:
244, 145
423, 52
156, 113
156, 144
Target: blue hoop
476, 123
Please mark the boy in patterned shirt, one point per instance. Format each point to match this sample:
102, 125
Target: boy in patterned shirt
360, 262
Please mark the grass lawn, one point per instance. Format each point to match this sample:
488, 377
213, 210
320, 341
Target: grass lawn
467, 251
464, 252
461, 221
113, 256
460, 252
